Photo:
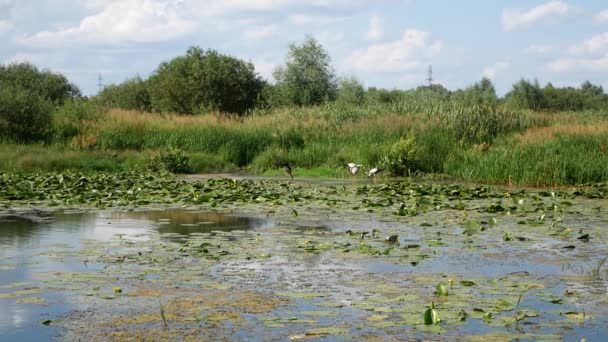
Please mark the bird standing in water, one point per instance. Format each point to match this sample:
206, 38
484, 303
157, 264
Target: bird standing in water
374, 172
353, 168
287, 169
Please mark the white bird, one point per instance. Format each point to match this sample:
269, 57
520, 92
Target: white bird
353, 168
374, 172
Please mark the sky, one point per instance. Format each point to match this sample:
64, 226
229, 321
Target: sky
383, 43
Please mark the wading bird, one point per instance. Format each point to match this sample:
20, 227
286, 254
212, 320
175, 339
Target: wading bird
287, 168
353, 168
374, 172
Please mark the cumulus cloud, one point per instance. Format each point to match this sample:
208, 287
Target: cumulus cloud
594, 45
414, 49
601, 18
491, 71
261, 32
313, 19
513, 19
376, 28
539, 49
121, 22
590, 55
569, 64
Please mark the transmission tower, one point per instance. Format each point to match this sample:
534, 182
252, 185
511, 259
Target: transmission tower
99, 84
430, 75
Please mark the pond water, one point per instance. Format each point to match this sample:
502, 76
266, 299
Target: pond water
30, 247
316, 273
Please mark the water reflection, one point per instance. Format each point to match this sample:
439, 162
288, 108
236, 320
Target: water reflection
27, 244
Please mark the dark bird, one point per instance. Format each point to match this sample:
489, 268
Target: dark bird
374, 172
287, 168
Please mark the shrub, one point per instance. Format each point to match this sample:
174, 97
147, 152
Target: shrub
351, 91
131, 94
49, 86
204, 81
24, 115
401, 158
73, 117
174, 161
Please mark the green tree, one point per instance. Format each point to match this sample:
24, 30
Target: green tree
202, 81
351, 91
48, 85
307, 78
130, 94
525, 95
24, 115
480, 93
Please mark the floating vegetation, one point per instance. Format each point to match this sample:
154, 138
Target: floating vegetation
304, 261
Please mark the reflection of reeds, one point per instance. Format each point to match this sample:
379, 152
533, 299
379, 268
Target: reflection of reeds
597, 273
162, 313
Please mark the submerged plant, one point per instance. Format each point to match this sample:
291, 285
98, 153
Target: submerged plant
597, 272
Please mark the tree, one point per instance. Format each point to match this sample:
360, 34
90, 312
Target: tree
307, 78
525, 95
49, 86
130, 94
24, 115
351, 91
480, 93
202, 81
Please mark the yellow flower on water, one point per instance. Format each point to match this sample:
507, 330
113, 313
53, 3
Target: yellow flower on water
117, 289
451, 281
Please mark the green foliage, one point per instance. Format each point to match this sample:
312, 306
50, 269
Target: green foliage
203, 81
351, 91
173, 160
47, 85
401, 158
24, 115
73, 117
525, 95
131, 94
481, 93
307, 77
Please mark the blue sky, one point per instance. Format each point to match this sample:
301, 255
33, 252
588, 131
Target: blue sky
384, 43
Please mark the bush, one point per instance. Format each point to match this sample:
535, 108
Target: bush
401, 158
174, 161
131, 94
47, 85
351, 91
24, 115
73, 117
203, 81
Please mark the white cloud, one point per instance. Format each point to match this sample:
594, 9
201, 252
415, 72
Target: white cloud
329, 38
122, 22
376, 28
601, 17
313, 19
414, 49
21, 57
261, 32
594, 45
568, 64
539, 49
5, 26
513, 19
491, 71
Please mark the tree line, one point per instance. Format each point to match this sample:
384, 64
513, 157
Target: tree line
201, 81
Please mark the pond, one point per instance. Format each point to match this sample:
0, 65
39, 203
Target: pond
335, 264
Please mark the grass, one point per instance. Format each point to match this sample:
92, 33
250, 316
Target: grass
477, 143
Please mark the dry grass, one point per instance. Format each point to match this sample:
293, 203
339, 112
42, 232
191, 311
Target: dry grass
538, 135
